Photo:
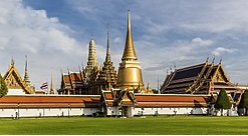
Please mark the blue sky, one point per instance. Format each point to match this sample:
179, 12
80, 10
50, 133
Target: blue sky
55, 35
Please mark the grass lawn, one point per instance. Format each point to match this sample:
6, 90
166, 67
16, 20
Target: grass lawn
122, 126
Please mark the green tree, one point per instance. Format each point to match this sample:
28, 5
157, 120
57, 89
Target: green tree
3, 87
223, 101
244, 102
155, 91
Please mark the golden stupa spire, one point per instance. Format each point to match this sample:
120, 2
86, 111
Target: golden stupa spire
129, 74
107, 77
92, 59
26, 77
108, 57
92, 63
51, 86
129, 52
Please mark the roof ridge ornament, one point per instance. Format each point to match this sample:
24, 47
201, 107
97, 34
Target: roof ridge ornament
207, 59
213, 60
12, 61
220, 59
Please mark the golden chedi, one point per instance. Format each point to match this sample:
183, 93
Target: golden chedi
129, 74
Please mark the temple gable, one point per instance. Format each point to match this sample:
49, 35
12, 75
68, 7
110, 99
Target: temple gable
14, 81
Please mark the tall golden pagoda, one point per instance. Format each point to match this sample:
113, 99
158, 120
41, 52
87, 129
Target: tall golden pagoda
129, 74
92, 64
108, 76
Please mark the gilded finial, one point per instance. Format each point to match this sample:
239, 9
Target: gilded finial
213, 59
12, 61
129, 52
220, 59
207, 59
26, 64
26, 77
128, 20
108, 57
51, 85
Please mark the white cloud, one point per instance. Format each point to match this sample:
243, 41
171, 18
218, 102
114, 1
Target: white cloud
47, 42
221, 50
200, 42
31, 30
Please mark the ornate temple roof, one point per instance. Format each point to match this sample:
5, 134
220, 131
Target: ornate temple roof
72, 80
118, 98
203, 78
14, 81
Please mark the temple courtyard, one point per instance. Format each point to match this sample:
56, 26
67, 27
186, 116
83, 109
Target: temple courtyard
149, 125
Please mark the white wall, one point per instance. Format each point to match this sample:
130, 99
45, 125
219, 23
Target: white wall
153, 111
47, 112
172, 111
15, 92
113, 111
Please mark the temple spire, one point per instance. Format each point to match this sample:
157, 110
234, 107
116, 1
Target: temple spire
107, 77
92, 59
129, 73
108, 57
26, 77
51, 86
92, 66
129, 52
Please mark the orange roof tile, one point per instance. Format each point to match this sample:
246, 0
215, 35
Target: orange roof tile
109, 102
108, 96
164, 98
66, 78
39, 99
127, 103
75, 76
47, 99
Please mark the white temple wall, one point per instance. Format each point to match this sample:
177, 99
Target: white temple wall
172, 111
90, 111
7, 112
15, 92
113, 111
40, 112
